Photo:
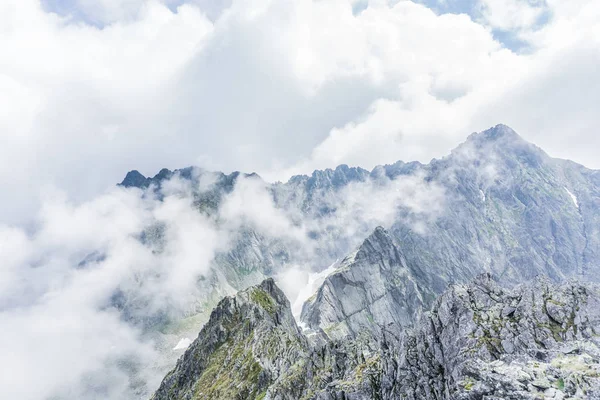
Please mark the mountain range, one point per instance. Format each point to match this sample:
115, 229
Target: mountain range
473, 275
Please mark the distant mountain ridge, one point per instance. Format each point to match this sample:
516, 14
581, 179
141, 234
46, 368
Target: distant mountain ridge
501, 135
495, 181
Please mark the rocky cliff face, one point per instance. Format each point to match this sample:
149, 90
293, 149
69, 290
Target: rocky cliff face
511, 210
539, 340
372, 288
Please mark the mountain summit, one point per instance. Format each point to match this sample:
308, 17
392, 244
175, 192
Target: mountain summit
499, 132
250, 340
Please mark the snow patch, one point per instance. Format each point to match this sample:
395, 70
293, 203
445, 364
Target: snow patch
573, 197
303, 327
482, 195
315, 280
183, 344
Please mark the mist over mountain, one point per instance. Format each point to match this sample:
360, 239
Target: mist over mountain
497, 204
328, 279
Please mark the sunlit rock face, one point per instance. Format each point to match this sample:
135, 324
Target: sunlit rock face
371, 288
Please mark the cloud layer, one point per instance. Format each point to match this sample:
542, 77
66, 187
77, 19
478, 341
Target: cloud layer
58, 288
94, 89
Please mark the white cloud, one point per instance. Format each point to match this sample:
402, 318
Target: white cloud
546, 96
269, 85
512, 14
252, 205
76, 92
57, 283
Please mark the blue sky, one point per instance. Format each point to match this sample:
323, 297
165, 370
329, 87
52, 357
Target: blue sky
473, 8
507, 37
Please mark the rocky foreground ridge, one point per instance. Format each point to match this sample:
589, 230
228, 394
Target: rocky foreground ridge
538, 340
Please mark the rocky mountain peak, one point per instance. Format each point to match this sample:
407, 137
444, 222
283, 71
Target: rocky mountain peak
379, 246
503, 140
134, 179
371, 290
163, 174
499, 134
338, 177
250, 340
271, 301
379, 237
269, 286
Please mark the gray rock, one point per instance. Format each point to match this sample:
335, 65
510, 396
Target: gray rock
453, 352
372, 288
527, 226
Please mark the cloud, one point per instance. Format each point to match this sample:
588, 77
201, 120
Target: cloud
272, 86
512, 14
59, 284
90, 100
526, 91
409, 199
251, 205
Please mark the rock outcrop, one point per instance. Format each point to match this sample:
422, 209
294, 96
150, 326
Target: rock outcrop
539, 340
249, 341
372, 288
